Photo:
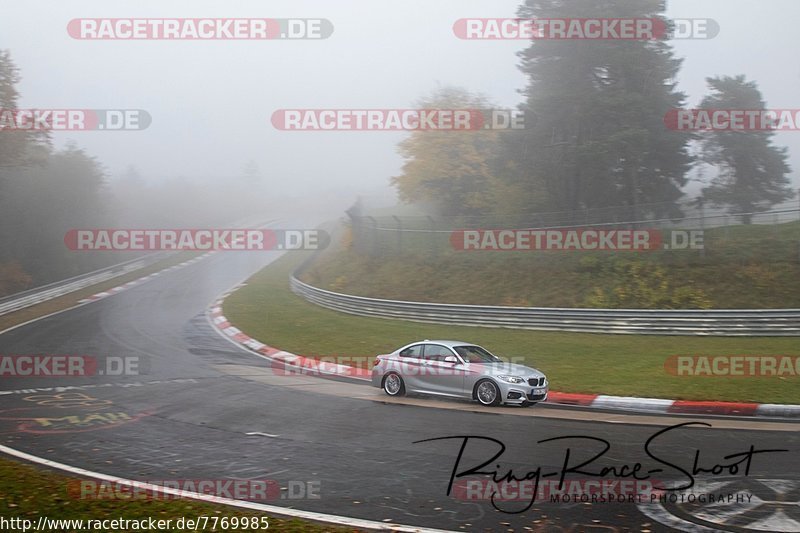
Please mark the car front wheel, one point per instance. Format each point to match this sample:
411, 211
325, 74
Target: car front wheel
393, 385
487, 393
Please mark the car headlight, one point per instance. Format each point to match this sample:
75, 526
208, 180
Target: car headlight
512, 379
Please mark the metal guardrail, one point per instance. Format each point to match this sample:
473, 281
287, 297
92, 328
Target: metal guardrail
720, 322
21, 300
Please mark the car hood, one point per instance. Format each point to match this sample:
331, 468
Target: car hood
507, 369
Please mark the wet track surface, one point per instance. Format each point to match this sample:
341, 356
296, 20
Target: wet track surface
187, 419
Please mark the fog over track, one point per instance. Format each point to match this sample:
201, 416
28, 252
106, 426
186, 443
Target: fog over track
193, 417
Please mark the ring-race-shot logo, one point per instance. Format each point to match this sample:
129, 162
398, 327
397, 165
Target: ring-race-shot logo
73, 119
202, 29
126, 240
603, 29
732, 120
397, 119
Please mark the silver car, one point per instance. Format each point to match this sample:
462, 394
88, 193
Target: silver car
458, 370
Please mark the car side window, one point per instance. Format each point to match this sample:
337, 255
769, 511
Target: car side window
414, 352
436, 352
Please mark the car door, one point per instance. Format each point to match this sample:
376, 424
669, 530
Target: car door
439, 376
409, 364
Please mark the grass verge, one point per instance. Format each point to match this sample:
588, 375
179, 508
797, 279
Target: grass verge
625, 365
741, 267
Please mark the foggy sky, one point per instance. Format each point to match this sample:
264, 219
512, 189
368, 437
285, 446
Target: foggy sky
211, 101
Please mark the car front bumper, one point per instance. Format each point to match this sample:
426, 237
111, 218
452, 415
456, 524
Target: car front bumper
517, 394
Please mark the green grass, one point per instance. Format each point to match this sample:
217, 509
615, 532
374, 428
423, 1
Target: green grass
584, 363
754, 266
28, 492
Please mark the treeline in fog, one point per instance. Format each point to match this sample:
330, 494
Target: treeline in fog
46, 191
595, 134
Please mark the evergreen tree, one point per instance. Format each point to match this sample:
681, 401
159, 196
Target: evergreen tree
752, 173
596, 136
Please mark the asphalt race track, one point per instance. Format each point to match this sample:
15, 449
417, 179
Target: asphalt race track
189, 419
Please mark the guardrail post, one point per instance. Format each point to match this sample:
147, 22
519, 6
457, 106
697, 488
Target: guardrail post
434, 236
357, 232
399, 233
374, 236
702, 203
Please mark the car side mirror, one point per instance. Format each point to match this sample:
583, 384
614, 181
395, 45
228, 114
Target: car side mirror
450, 359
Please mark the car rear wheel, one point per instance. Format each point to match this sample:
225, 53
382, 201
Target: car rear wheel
393, 385
487, 393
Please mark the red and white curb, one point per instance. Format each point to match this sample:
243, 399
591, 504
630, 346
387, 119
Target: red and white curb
306, 364
110, 292
656, 405
599, 401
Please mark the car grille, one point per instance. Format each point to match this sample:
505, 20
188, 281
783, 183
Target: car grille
534, 382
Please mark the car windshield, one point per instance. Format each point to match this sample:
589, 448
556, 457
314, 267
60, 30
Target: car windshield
476, 354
